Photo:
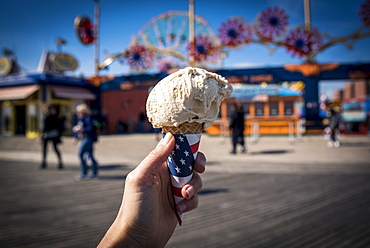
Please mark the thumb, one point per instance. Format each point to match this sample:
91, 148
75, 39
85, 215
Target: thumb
159, 155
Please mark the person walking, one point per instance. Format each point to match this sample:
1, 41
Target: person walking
85, 132
237, 126
334, 121
52, 131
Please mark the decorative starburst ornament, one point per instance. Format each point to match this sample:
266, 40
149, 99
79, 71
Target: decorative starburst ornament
235, 32
204, 49
302, 42
139, 57
271, 23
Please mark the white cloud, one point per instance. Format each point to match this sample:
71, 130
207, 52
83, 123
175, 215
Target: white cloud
244, 65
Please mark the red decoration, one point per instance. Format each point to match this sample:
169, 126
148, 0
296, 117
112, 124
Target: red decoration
271, 23
205, 50
234, 32
84, 29
139, 57
365, 13
301, 42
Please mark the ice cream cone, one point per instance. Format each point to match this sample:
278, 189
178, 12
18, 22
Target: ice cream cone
185, 128
182, 159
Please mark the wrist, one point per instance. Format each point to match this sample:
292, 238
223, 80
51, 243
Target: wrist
120, 234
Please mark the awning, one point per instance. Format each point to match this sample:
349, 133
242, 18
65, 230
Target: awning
17, 93
72, 92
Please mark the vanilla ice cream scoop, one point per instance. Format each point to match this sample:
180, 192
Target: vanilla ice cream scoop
190, 95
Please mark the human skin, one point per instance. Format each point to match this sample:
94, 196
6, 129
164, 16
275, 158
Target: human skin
147, 217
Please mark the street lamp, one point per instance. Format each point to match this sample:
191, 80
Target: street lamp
60, 42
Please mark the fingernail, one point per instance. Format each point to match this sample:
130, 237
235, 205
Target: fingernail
190, 192
202, 162
166, 139
181, 207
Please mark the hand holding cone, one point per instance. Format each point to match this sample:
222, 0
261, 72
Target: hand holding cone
181, 163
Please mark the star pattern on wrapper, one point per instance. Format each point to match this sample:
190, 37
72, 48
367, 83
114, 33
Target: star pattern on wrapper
181, 159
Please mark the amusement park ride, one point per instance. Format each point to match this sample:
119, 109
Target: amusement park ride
179, 38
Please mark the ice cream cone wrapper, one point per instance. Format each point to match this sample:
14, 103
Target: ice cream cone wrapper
181, 162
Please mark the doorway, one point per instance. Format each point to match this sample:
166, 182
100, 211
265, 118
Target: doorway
20, 119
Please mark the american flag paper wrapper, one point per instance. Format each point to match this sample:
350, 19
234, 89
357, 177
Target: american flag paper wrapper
181, 162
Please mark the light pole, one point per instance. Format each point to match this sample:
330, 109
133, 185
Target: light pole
307, 15
96, 37
191, 33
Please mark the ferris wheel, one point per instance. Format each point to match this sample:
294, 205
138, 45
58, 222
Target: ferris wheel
168, 36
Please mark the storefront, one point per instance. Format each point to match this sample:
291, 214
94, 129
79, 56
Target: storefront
269, 108
22, 97
355, 116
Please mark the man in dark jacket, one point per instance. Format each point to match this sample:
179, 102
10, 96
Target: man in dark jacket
334, 122
237, 126
52, 130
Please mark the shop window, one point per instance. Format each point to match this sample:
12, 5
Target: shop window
7, 117
288, 108
246, 108
259, 109
274, 108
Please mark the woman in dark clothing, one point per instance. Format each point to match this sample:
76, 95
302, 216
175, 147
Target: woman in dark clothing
51, 132
237, 125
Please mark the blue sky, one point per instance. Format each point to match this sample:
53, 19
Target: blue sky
28, 27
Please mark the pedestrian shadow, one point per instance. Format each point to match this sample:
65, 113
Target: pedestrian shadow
212, 191
210, 163
355, 144
102, 167
270, 152
112, 167
115, 177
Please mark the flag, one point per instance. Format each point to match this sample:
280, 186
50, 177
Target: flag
181, 162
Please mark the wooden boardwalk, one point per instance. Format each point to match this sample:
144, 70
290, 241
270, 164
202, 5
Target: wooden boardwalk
238, 208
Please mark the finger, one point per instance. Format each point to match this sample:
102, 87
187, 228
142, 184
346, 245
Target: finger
190, 189
200, 163
187, 205
159, 155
